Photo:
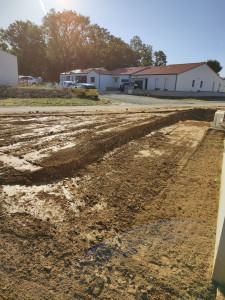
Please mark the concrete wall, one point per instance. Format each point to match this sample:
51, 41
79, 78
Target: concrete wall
8, 69
210, 80
175, 94
219, 258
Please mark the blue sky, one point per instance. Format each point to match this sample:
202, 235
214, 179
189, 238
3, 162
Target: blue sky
186, 30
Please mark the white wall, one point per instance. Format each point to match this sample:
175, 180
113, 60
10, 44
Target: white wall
96, 79
64, 77
219, 258
223, 86
101, 81
161, 82
106, 81
8, 69
202, 73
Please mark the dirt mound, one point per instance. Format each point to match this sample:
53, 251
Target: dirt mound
66, 163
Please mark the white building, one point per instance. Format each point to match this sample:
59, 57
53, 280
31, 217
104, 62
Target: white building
192, 77
8, 69
101, 77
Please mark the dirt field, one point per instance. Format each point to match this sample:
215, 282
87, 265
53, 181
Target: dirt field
109, 205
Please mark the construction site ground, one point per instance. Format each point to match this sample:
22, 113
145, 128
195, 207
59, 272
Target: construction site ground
109, 205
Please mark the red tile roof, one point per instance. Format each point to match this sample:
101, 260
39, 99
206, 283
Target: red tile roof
103, 71
146, 70
87, 71
128, 71
170, 69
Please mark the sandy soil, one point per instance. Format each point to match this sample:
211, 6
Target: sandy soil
109, 205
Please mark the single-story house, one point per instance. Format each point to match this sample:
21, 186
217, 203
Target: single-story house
8, 69
101, 77
191, 77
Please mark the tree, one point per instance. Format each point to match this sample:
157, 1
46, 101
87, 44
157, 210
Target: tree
160, 58
96, 47
66, 36
119, 54
136, 44
3, 45
146, 55
143, 51
72, 43
26, 40
215, 65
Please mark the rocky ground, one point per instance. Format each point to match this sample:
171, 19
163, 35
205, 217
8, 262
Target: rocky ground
109, 205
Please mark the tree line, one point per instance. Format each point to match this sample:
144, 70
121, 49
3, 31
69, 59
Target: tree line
66, 41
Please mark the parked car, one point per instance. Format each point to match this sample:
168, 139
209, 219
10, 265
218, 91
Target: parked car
39, 80
132, 84
27, 80
86, 90
68, 84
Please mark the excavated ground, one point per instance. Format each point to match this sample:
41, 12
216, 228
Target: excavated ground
109, 205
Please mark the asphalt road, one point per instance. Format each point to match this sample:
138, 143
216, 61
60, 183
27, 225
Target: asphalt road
144, 100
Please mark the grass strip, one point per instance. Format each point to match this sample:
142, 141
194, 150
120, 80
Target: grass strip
52, 102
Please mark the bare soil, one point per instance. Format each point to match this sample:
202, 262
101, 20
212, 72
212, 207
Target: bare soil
109, 205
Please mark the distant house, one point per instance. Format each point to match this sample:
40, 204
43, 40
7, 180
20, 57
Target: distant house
8, 69
192, 77
91, 75
101, 77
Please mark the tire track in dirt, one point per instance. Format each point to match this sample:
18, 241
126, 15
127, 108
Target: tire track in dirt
66, 163
37, 254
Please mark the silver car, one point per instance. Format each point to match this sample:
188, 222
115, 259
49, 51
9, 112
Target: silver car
68, 84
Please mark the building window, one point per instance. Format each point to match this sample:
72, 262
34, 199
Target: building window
81, 79
193, 83
92, 79
201, 84
67, 78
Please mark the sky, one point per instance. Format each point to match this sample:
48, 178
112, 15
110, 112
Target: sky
187, 31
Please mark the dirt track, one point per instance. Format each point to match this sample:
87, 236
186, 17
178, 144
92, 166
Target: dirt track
71, 182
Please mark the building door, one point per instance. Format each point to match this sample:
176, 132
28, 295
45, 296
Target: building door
166, 86
213, 87
157, 84
146, 83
